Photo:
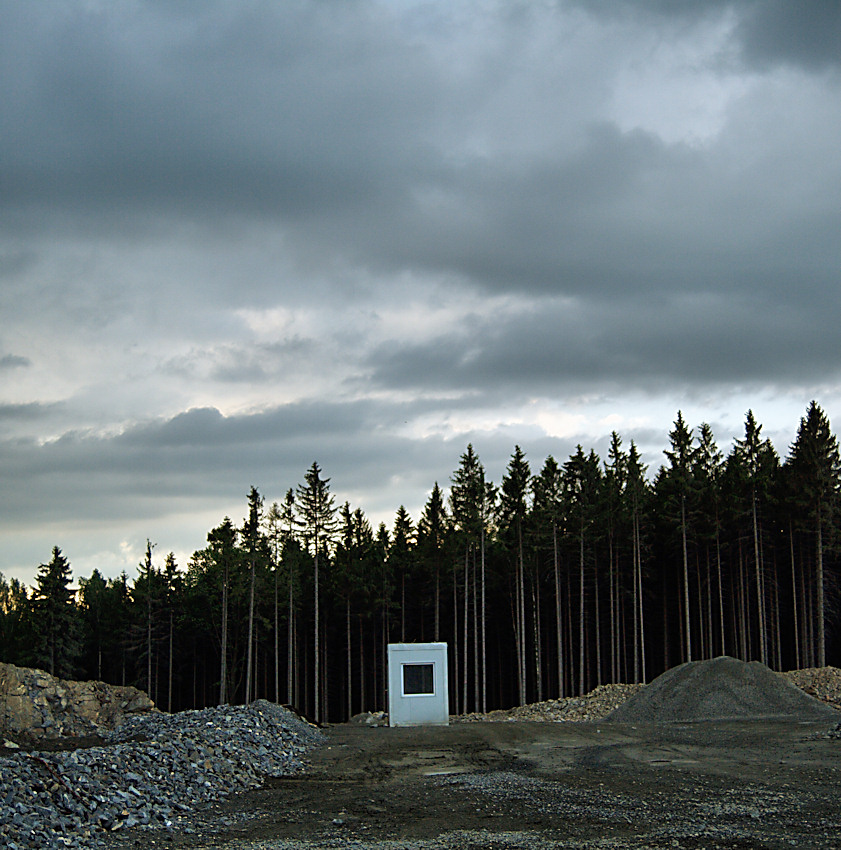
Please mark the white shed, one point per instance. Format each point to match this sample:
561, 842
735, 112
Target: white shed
418, 693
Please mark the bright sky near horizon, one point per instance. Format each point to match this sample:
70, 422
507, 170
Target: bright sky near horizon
237, 237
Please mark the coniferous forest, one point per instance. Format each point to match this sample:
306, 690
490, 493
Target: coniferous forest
545, 583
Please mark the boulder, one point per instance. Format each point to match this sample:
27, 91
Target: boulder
37, 705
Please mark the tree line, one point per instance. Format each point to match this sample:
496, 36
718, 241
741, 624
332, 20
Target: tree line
549, 583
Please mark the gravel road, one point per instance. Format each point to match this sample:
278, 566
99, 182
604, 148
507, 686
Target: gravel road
741, 784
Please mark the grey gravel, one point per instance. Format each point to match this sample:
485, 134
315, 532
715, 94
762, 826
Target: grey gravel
156, 769
718, 689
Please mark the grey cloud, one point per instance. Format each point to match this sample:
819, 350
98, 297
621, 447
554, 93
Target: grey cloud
701, 339
24, 412
234, 110
202, 458
229, 363
14, 361
806, 34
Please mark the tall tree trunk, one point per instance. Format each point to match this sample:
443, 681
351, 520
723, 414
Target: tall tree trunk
223, 671
466, 631
794, 600
477, 672
361, 666
349, 660
581, 665
558, 618
760, 595
723, 648
456, 693
687, 620
538, 660
640, 599
169, 670
516, 617
484, 632
249, 663
276, 639
317, 638
614, 637
437, 601
635, 599
820, 588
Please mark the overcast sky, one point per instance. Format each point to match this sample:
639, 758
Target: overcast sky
237, 237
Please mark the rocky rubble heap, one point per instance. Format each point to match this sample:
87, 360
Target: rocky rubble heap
592, 706
823, 683
158, 768
34, 704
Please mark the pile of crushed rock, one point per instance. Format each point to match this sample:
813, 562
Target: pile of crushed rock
821, 683
595, 705
723, 688
156, 769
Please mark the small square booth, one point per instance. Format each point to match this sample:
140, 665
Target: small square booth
418, 693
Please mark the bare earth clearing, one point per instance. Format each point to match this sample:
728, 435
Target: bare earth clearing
738, 783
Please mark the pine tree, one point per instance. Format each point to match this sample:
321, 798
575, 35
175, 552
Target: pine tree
547, 512
676, 483
432, 530
582, 475
56, 617
145, 587
708, 470
222, 549
471, 501
317, 516
402, 556
757, 463
613, 489
92, 598
636, 490
252, 539
174, 590
816, 470
513, 513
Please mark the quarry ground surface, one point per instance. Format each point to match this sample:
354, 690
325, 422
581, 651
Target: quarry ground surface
727, 784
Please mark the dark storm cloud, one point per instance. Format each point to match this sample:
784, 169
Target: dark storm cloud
276, 109
333, 120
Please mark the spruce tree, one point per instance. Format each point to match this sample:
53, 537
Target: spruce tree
317, 517
432, 530
252, 539
816, 471
547, 516
56, 617
676, 484
513, 514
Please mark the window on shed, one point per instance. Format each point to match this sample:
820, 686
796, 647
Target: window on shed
417, 679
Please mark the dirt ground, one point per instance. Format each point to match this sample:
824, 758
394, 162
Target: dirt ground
734, 784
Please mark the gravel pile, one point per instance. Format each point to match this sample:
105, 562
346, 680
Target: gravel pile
158, 768
822, 683
720, 689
